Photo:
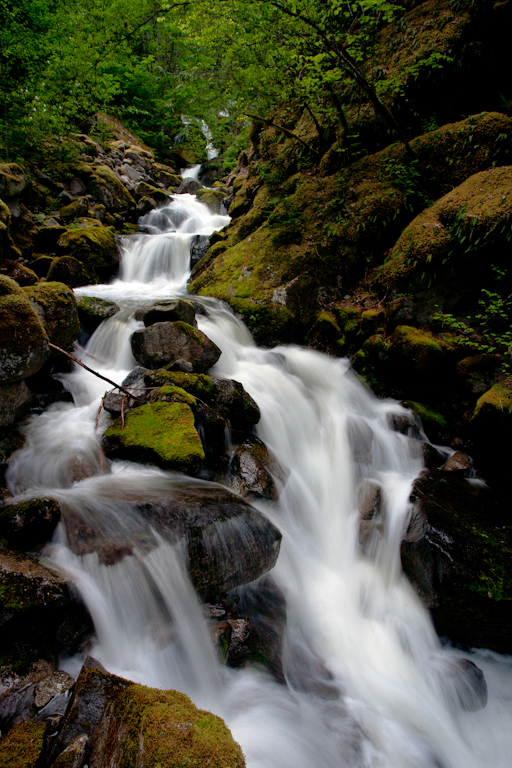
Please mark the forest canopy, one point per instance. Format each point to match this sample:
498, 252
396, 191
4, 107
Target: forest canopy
151, 64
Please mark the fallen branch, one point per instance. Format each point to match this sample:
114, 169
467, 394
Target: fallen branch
95, 373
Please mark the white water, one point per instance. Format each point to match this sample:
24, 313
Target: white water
368, 685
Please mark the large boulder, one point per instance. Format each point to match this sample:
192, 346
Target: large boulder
227, 541
23, 340
106, 187
55, 305
161, 433
12, 180
176, 343
112, 721
456, 554
422, 358
490, 425
70, 271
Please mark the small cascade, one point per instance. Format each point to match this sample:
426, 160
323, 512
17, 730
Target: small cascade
367, 683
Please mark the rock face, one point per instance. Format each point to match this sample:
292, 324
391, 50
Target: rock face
177, 343
23, 340
160, 433
111, 721
456, 554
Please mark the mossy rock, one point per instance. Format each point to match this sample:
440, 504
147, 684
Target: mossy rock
158, 433
326, 335
105, 186
5, 214
94, 246
23, 340
71, 272
418, 358
19, 272
475, 215
12, 180
23, 745
143, 189
459, 559
490, 428
174, 343
197, 384
15, 399
171, 394
434, 423
212, 198
92, 311
28, 587
128, 724
74, 210
55, 305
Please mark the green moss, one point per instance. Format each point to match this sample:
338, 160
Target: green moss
23, 340
172, 394
9, 287
418, 344
427, 414
22, 746
5, 214
161, 433
74, 210
497, 400
59, 309
197, 384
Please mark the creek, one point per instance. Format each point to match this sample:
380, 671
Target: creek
368, 683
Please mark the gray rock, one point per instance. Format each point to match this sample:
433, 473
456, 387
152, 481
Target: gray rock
92, 312
168, 310
162, 344
52, 686
189, 186
235, 404
30, 523
255, 471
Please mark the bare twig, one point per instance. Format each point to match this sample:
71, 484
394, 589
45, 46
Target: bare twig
98, 415
75, 360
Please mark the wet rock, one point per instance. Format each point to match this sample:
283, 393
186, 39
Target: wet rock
160, 433
15, 399
119, 722
212, 198
235, 404
432, 456
23, 340
189, 186
369, 496
168, 311
92, 311
18, 683
226, 540
163, 343
56, 307
115, 401
459, 462
254, 471
455, 555
199, 248
469, 683
30, 523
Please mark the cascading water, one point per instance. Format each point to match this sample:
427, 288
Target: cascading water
368, 684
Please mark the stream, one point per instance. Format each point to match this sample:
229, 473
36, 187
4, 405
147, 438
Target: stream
368, 683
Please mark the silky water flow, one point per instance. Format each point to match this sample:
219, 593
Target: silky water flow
368, 684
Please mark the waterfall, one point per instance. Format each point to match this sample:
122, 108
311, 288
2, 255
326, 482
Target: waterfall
368, 684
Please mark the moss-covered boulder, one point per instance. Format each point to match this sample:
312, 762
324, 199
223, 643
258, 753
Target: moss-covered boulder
55, 305
12, 180
74, 210
457, 554
105, 186
158, 433
491, 424
70, 271
128, 724
95, 247
174, 343
453, 232
23, 340
143, 189
19, 272
93, 311
212, 198
420, 357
